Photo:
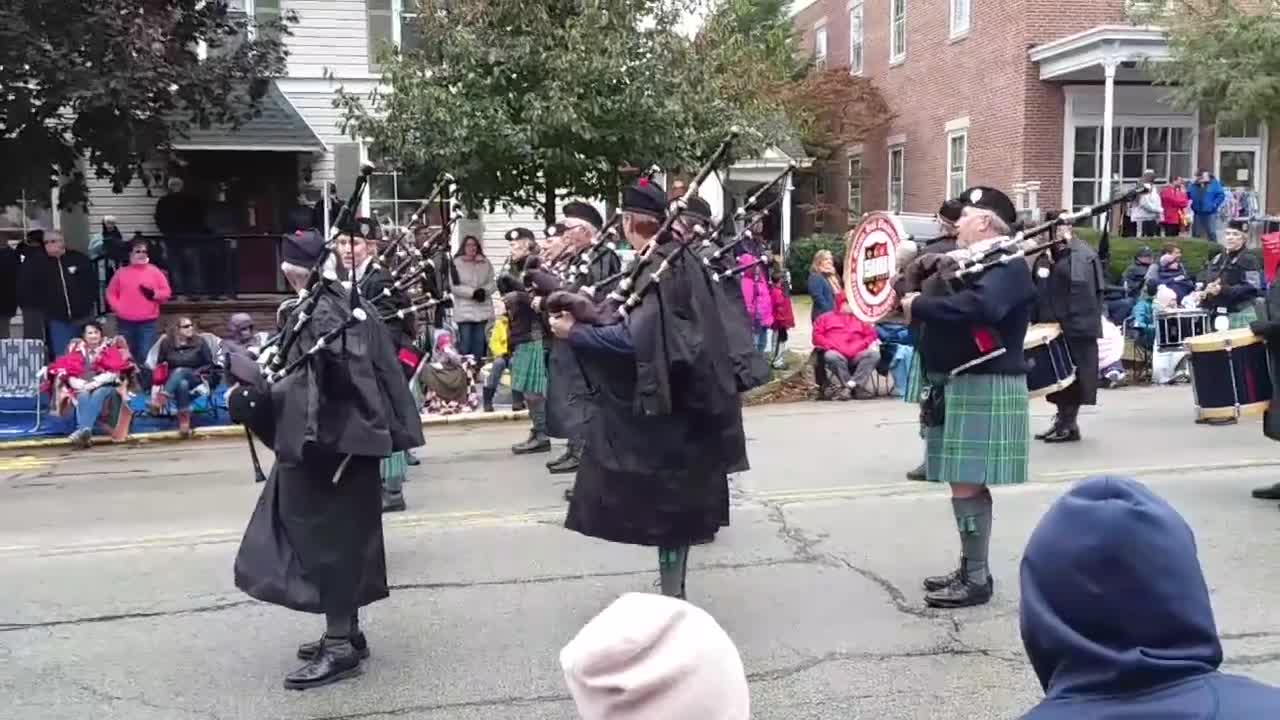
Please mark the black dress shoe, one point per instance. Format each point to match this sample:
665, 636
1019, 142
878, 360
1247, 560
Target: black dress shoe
393, 502
566, 455
1063, 435
336, 660
1052, 429
918, 474
939, 582
564, 466
1270, 492
961, 594
308, 651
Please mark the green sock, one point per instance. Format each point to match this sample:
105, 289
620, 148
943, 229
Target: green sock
672, 565
973, 520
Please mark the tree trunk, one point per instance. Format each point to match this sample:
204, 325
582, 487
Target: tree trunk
549, 203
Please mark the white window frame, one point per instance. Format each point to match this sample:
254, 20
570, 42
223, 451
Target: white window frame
821, 45
857, 14
956, 129
897, 48
855, 182
901, 150
395, 200
398, 15
960, 18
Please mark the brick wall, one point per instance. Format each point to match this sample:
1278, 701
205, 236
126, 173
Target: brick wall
1015, 120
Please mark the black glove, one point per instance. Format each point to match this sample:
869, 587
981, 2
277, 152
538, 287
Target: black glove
147, 292
541, 281
479, 295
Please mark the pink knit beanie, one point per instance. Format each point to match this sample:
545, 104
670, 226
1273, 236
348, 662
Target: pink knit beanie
648, 657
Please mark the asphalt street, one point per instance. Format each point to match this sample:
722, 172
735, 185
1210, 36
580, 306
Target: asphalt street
117, 601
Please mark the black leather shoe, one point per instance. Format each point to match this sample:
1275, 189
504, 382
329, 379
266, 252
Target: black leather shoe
1270, 492
308, 651
336, 660
1063, 435
938, 582
535, 444
917, 474
1052, 429
393, 502
961, 594
564, 465
564, 457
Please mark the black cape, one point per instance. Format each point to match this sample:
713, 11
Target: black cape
1071, 296
654, 469
567, 402
314, 542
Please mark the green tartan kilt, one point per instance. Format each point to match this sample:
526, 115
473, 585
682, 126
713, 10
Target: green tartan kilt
529, 368
394, 466
985, 438
915, 380
1242, 318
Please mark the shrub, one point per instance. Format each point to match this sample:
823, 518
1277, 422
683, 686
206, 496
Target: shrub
1196, 253
801, 254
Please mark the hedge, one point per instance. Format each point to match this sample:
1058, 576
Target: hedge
1196, 253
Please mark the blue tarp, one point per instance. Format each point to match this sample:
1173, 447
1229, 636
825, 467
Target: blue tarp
17, 417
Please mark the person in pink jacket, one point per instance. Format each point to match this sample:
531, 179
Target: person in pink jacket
759, 300
1174, 202
135, 295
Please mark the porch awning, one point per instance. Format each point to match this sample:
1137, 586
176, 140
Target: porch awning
278, 128
1083, 56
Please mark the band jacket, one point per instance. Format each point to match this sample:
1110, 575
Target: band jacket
374, 286
999, 299
315, 542
1072, 294
664, 406
567, 401
438, 280
1240, 274
1268, 329
64, 288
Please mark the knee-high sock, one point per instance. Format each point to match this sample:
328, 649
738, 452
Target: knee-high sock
673, 563
338, 624
1067, 415
973, 519
537, 412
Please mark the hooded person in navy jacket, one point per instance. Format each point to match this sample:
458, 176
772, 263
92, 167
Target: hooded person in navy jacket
1116, 617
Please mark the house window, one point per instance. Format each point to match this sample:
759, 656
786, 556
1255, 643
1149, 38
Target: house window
1166, 150
957, 162
960, 12
820, 47
265, 11
898, 31
855, 38
394, 22
1243, 129
897, 155
855, 187
393, 196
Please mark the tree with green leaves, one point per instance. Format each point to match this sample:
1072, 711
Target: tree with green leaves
1224, 57
102, 85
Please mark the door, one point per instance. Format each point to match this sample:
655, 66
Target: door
1238, 168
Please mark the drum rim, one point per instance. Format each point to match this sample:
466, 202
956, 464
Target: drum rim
850, 239
1233, 411
1048, 338
1053, 388
1200, 343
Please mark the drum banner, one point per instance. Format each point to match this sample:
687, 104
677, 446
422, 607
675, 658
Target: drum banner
870, 267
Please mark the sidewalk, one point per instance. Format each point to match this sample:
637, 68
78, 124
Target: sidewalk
800, 337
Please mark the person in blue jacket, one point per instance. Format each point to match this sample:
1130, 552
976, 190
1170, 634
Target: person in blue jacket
1116, 618
1207, 196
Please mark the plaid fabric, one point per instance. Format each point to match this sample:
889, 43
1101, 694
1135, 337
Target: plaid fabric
985, 438
529, 368
395, 466
915, 379
1242, 318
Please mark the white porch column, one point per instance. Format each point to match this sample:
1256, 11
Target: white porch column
786, 216
1108, 113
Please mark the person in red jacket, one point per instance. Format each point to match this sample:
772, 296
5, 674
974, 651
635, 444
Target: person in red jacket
850, 350
784, 317
1174, 202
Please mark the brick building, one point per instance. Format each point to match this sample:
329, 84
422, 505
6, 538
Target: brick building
1012, 94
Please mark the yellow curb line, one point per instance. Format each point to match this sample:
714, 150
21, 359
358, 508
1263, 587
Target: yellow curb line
232, 431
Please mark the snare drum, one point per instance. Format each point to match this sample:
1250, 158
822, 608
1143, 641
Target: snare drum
1049, 358
1173, 327
1229, 374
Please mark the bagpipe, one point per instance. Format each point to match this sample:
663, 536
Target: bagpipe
753, 211
410, 263
642, 276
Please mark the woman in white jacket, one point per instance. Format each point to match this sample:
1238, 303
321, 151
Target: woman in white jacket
473, 290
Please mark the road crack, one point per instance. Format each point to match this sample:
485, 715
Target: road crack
511, 702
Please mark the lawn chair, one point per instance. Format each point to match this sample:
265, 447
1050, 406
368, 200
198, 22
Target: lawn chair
210, 378
20, 364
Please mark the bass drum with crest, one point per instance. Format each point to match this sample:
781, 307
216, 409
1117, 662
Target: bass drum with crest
876, 251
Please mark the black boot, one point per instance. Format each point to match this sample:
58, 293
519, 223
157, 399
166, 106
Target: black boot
537, 443
564, 457
393, 502
308, 651
1065, 434
488, 399
917, 474
938, 582
1270, 492
961, 593
1052, 429
567, 463
517, 404
336, 659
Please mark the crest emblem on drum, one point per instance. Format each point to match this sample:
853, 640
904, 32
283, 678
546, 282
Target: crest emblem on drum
872, 265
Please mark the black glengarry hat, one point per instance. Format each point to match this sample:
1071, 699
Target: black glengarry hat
519, 233
991, 199
583, 211
302, 249
698, 208
645, 197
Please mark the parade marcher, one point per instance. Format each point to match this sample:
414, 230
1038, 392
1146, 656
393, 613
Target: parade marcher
314, 543
1269, 330
566, 388
355, 252
663, 382
976, 413
525, 333
948, 215
1232, 281
1070, 279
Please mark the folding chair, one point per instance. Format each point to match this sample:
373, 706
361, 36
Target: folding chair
20, 364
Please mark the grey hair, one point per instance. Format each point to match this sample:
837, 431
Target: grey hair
997, 223
295, 272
